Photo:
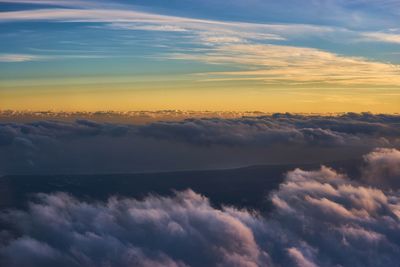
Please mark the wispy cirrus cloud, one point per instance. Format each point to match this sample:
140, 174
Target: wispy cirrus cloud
18, 57
133, 19
15, 58
63, 3
382, 37
278, 63
240, 44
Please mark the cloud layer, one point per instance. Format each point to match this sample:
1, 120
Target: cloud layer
349, 129
321, 218
87, 146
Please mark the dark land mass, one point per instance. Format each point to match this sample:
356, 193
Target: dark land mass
244, 187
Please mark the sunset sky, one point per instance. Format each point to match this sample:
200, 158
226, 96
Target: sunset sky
199, 133
271, 56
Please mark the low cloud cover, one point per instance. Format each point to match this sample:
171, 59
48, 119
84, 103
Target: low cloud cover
320, 218
88, 146
349, 129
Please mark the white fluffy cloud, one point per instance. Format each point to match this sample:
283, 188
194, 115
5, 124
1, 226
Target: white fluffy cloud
158, 231
383, 168
321, 218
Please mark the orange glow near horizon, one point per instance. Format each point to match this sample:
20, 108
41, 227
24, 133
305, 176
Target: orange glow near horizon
259, 98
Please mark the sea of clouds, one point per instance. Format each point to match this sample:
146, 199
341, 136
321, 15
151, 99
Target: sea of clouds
320, 218
97, 147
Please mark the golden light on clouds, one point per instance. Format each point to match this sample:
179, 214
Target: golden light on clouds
296, 65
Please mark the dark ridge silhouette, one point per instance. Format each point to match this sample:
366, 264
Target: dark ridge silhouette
243, 187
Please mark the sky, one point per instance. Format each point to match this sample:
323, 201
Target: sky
273, 56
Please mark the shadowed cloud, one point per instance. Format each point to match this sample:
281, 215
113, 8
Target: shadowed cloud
88, 146
321, 218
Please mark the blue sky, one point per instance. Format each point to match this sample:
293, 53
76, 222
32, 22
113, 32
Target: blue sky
195, 45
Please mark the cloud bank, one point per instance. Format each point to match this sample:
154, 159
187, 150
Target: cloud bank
321, 218
88, 146
349, 129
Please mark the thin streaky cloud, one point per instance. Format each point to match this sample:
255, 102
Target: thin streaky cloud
30, 57
63, 3
118, 18
382, 37
238, 44
18, 57
120, 15
289, 64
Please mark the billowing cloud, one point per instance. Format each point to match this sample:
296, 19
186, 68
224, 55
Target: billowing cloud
180, 231
321, 218
332, 220
383, 168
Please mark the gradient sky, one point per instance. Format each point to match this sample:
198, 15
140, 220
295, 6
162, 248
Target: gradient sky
272, 56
